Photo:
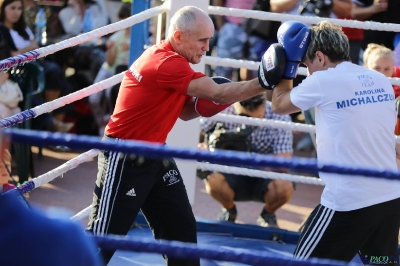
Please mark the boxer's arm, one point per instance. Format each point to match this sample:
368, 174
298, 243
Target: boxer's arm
188, 112
281, 103
206, 88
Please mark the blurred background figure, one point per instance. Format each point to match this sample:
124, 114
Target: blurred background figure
381, 59
238, 40
384, 11
117, 55
5, 169
82, 16
20, 39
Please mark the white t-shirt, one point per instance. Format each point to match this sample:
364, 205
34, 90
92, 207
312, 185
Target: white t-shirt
21, 43
72, 23
355, 119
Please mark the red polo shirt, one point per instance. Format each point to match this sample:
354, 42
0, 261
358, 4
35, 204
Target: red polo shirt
152, 95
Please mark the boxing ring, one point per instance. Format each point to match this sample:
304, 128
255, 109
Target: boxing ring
218, 241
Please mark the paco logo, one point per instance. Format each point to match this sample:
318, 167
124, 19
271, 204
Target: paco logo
380, 260
172, 177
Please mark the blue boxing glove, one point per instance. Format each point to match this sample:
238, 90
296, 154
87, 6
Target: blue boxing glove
294, 37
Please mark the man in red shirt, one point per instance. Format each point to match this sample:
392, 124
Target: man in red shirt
159, 88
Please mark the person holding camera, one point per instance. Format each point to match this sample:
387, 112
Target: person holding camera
228, 188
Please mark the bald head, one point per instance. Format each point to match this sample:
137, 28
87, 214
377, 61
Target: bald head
188, 20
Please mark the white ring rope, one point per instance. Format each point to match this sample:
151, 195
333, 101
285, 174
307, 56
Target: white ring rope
258, 122
259, 173
113, 27
59, 171
262, 15
253, 65
232, 170
306, 128
57, 103
82, 214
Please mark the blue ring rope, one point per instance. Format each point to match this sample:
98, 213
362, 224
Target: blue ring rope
193, 251
160, 151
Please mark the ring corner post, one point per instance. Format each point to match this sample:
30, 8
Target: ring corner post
139, 31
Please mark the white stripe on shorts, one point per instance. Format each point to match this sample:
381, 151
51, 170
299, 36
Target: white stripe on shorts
101, 220
318, 228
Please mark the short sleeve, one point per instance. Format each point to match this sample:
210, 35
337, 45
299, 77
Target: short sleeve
307, 94
175, 73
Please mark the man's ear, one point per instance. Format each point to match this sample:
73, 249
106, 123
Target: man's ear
178, 36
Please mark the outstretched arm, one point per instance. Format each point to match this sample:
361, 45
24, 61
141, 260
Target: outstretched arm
226, 93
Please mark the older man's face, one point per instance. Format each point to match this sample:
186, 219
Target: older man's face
196, 44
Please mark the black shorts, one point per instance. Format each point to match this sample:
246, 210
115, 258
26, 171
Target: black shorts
127, 184
372, 232
248, 188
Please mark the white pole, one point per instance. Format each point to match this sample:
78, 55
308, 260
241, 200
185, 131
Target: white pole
186, 133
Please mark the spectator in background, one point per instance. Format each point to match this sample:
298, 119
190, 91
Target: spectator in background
332, 8
117, 54
5, 167
228, 188
72, 17
20, 40
384, 11
78, 17
381, 59
233, 42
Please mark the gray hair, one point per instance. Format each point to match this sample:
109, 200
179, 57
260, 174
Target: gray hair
184, 20
330, 40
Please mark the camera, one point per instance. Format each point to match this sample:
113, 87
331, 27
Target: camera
229, 139
321, 8
226, 139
